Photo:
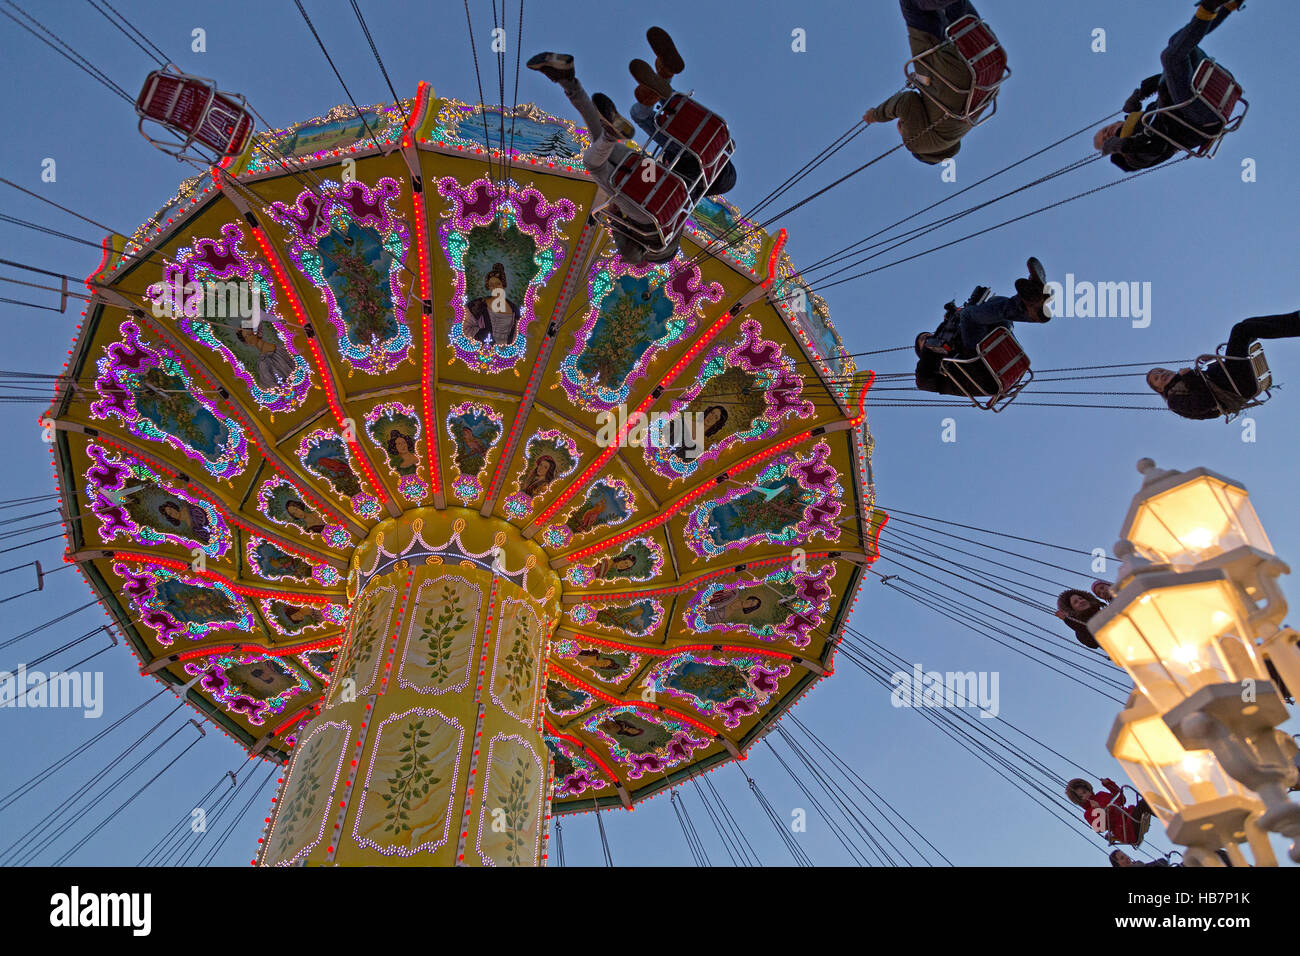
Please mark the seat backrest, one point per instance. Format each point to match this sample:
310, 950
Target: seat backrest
980, 48
1259, 366
700, 131
226, 126
159, 94
662, 195
1004, 356
1217, 87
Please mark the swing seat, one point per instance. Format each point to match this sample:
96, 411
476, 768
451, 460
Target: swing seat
192, 109
1213, 87
688, 129
1142, 823
986, 63
995, 375
1259, 370
657, 193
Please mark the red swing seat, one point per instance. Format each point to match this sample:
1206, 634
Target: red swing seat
657, 193
194, 111
986, 62
1214, 87
664, 180
995, 375
689, 128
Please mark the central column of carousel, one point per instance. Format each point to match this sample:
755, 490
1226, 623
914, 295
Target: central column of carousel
428, 747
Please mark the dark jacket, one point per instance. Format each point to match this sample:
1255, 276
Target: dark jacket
1143, 149
928, 134
1189, 395
931, 378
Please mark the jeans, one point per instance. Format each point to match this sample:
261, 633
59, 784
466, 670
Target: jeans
644, 117
601, 159
1239, 341
934, 16
977, 321
1179, 62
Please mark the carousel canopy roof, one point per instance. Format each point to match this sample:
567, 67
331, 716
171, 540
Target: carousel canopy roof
363, 316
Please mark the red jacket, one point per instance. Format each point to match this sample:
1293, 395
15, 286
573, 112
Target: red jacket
1123, 827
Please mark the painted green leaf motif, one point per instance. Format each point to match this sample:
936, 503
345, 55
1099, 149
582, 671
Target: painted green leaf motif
519, 663
516, 804
413, 779
440, 632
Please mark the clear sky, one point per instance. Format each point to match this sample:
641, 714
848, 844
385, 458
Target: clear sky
1214, 249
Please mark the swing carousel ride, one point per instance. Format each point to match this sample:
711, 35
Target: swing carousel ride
428, 525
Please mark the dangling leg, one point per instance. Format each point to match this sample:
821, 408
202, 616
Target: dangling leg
977, 321
604, 123
1285, 326
1182, 54
934, 16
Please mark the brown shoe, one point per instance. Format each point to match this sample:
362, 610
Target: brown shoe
668, 62
646, 76
645, 96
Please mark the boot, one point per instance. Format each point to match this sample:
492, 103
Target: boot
645, 96
553, 66
646, 76
1036, 271
668, 62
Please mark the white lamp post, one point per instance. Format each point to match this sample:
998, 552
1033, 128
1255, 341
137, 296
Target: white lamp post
1201, 806
1197, 591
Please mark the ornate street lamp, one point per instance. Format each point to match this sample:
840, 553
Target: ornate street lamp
1201, 806
1197, 595
1183, 518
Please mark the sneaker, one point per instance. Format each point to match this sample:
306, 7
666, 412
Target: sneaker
645, 75
615, 123
668, 62
553, 66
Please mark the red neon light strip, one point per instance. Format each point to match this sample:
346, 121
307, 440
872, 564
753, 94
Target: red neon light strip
248, 428
862, 400
704, 489
694, 583
318, 358
704, 648
875, 541
571, 275
613, 777
292, 720
426, 341
771, 259
239, 589
421, 94
265, 651
655, 709
649, 400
